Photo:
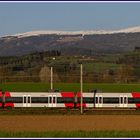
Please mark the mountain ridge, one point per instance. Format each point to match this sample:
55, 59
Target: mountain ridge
82, 32
73, 43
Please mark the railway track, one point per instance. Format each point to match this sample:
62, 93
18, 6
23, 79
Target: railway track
113, 109
64, 111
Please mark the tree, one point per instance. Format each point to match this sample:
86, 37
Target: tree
125, 73
45, 73
108, 76
5, 72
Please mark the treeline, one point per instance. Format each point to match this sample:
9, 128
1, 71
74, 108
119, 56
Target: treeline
26, 67
36, 68
131, 66
27, 60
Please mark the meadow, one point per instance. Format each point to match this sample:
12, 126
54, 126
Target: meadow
75, 87
100, 66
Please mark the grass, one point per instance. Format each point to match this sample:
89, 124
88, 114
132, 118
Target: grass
73, 134
99, 66
42, 87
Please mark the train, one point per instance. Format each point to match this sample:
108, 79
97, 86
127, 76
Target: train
69, 99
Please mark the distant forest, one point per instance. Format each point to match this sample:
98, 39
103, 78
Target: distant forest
35, 67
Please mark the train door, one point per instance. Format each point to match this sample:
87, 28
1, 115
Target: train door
52, 101
125, 101
26, 100
99, 101
121, 101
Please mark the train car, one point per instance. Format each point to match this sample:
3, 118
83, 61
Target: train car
110, 100
69, 99
37, 99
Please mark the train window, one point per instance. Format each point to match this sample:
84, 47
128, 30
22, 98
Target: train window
0, 99
40, 99
79, 100
88, 99
133, 100
65, 100
14, 99
110, 100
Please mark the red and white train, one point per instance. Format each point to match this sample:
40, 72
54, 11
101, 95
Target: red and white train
69, 99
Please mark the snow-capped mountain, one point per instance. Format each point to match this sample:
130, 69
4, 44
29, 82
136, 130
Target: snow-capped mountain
89, 32
72, 42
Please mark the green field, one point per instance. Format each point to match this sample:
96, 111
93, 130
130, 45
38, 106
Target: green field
99, 66
80, 134
42, 87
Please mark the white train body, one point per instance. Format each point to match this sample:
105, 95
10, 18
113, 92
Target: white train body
106, 100
69, 99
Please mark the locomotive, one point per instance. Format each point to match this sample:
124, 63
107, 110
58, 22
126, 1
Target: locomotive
70, 99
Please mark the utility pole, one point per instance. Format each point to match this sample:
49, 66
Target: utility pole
51, 78
52, 75
81, 84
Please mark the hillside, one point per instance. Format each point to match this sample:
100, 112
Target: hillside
71, 43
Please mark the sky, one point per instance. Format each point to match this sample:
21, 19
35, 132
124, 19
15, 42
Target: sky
23, 17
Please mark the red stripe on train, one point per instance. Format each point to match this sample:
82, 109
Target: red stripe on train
136, 95
68, 95
0, 96
79, 104
69, 104
78, 94
7, 94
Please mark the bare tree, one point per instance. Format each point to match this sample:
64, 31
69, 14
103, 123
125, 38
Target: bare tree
125, 73
44, 74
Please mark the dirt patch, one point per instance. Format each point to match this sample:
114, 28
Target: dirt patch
69, 122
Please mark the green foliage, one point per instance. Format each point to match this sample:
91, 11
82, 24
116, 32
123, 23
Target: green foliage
43, 87
99, 66
117, 68
130, 58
